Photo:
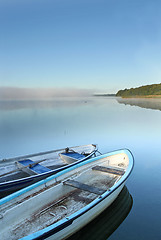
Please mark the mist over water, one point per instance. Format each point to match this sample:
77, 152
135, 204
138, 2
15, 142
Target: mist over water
15, 93
35, 126
149, 103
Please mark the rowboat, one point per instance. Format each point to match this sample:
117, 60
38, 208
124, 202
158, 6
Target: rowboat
19, 172
60, 205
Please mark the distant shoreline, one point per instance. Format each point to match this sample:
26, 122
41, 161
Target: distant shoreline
147, 91
142, 96
104, 95
126, 97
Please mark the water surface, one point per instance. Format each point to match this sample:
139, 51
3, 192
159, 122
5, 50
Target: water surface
35, 126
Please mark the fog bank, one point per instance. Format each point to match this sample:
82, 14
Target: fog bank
15, 93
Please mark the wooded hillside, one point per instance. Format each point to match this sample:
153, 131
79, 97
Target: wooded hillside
153, 89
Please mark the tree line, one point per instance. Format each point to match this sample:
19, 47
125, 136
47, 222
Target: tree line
153, 89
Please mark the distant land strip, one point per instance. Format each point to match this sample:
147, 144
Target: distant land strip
104, 95
147, 91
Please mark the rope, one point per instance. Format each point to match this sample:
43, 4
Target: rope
99, 152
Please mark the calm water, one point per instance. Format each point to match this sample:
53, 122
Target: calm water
29, 127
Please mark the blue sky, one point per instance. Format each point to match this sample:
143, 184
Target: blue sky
88, 44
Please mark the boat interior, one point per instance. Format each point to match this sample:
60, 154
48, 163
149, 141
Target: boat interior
18, 168
62, 196
27, 167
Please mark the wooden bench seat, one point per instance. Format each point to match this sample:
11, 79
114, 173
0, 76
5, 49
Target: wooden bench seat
75, 155
84, 187
32, 168
111, 170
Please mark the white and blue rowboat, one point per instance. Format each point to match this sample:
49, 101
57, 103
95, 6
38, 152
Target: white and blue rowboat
57, 207
19, 172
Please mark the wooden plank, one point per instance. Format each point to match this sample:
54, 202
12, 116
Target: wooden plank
84, 187
111, 170
31, 167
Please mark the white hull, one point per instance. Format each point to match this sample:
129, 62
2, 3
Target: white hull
60, 205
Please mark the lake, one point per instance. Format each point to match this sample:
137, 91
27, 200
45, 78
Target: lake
112, 123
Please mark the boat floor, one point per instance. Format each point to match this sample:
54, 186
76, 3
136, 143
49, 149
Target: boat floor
63, 207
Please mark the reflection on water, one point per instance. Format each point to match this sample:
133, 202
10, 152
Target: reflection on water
7, 105
35, 126
150, 103
106, 223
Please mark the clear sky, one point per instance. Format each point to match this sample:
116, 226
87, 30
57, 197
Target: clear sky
105, 45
